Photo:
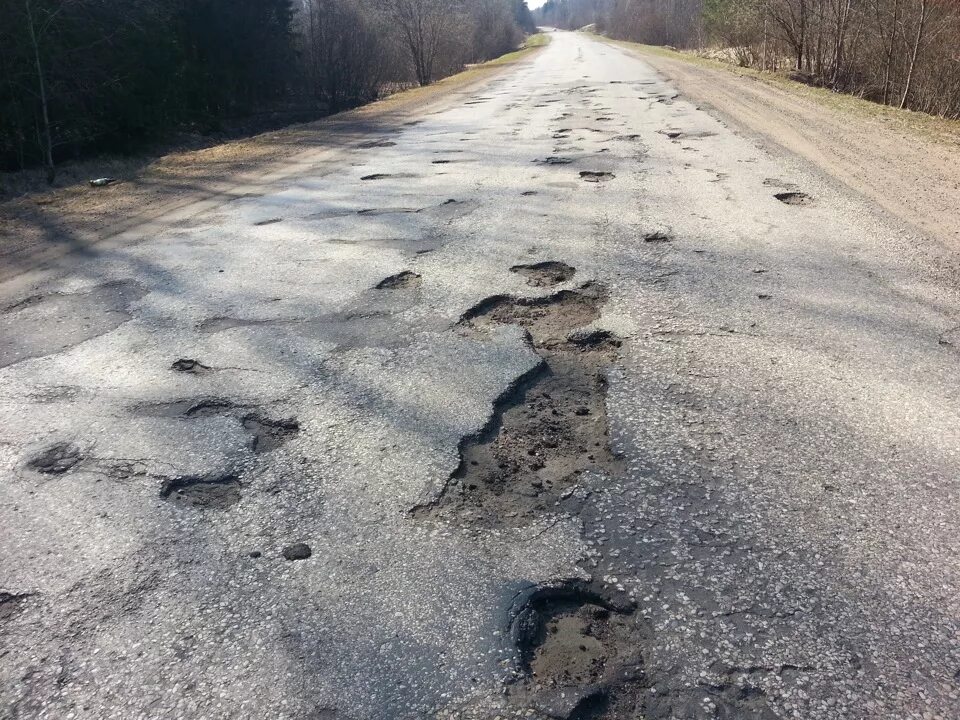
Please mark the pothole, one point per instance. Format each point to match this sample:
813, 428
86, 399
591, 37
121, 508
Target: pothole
555, 160
580, 652
267, 434
548, 427
186, 408
545, 274
405, 280
214, 491
595, 176
369, 144
56, 459
794, 198
189, 365
657, 236
11, 603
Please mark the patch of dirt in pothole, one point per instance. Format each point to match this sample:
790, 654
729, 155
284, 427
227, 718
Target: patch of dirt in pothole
548, 427
405, 280
205, 492
268, 434
545, 274
595, 176
794, 198
55, 459
580, 653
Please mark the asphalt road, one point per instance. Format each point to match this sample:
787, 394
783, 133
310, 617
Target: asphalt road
738, 498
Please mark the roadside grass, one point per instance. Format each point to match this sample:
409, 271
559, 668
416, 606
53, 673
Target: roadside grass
931, 126
533, 42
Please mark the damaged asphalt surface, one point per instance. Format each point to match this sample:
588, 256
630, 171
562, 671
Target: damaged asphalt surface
566, 401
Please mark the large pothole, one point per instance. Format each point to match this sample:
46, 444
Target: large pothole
549, 427
579, 650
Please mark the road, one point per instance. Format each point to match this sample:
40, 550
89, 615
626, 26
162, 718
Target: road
540, 405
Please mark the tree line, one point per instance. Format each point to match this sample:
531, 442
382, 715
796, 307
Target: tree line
86, 76
904, 53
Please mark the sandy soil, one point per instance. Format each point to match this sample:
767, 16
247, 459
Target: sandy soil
911, 171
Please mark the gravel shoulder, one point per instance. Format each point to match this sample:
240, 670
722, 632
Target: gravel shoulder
906, 162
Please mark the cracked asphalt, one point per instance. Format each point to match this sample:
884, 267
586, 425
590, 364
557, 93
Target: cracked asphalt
181, 414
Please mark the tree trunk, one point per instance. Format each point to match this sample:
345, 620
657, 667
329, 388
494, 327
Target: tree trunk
48, 139
916, 50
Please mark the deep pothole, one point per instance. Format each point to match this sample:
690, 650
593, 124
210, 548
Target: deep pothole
579, 650
794, 197
549, 427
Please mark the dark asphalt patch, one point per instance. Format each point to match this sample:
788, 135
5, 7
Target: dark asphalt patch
657, 236
297, 551
56, 459
376, 144
45, 324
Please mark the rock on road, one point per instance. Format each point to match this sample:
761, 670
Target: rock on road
565, 400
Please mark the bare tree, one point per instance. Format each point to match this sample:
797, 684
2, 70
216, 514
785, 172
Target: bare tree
423, 25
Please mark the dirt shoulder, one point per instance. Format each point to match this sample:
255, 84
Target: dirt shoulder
908, 163
38, 228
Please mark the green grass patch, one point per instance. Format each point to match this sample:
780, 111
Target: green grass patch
532, 42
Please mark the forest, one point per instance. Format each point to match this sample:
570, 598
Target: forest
78, 77
904, 53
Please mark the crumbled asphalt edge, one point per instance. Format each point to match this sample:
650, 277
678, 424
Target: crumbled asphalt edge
499, 471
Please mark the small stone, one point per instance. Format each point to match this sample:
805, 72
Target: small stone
255, 554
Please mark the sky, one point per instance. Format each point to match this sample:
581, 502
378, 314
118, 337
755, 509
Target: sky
534, 4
